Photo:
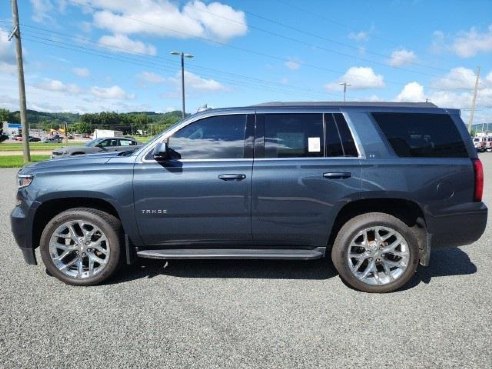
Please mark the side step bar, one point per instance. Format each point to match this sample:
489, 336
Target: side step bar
273, 254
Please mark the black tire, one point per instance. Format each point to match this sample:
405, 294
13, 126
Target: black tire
360, 231
91, 241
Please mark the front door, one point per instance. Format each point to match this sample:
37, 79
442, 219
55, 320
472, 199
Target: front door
203, 193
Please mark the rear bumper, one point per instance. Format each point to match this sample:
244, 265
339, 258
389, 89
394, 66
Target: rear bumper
458, 226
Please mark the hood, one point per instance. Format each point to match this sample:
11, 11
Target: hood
71, 163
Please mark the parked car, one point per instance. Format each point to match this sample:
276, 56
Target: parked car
53, 139
479, 143
98, 145
376, 186
31, 138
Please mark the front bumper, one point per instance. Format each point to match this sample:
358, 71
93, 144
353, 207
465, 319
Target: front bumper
21, 222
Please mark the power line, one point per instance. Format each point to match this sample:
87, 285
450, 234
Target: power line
253, 82
274, 57
323, 38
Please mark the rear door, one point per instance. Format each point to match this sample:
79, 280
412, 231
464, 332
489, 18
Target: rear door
306, 168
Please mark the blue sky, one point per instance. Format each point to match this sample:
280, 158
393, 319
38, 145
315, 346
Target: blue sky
114, 55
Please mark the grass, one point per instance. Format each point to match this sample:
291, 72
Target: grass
41, 146
38, 146
16, 161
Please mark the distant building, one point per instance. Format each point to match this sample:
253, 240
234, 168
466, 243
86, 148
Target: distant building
11, 129
482, 127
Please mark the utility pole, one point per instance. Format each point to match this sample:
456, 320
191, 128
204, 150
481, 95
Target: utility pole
472, 113
344, 84
22, 86
182, 55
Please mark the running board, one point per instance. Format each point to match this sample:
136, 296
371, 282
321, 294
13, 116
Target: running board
272, 254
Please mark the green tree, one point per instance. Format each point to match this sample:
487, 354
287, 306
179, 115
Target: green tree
4, 115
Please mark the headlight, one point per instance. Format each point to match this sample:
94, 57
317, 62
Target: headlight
24, 180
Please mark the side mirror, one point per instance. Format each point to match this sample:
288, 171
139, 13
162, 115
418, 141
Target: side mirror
161, 151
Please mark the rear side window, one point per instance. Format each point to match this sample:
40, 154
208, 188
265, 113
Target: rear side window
294, 135
421, 135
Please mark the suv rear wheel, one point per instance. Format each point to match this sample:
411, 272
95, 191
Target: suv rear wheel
81, 246
375, 252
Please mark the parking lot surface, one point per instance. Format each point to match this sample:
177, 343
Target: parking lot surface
246, 314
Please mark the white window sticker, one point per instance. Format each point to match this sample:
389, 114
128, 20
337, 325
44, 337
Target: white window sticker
314, 144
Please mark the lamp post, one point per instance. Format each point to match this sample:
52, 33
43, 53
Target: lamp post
183, 55
344, 84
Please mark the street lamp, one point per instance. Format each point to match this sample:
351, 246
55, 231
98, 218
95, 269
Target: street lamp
183, 55
344, 84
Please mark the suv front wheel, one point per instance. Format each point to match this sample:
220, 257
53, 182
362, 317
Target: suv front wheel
375, 252
81, 246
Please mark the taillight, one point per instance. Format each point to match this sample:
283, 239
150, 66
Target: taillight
478, 169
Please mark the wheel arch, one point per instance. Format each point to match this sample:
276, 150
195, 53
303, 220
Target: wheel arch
407, 211
47, 210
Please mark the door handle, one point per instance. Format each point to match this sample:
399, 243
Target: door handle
337, 175
232, 177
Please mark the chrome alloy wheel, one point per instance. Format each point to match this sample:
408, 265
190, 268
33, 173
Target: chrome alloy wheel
378, 255
79, 249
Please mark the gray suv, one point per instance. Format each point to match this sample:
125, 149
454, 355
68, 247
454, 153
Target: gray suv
375, 186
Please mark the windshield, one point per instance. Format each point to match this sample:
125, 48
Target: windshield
93, 143
159, 135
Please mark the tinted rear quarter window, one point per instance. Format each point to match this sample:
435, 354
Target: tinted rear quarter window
421, 134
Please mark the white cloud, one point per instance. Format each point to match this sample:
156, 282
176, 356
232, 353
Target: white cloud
359, 78
198, 83
456, 79
449, 99
402, 57
151, 77
446, 98
359, 37
82, 72
41, 10
489, 78
121, 43
113, 93
218, 20
292, 64
58, 86
7, 55
438, 42
164, 18
412, 92
468, 44
465, 44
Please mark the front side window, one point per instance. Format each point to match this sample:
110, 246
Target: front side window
219, 137
294, 135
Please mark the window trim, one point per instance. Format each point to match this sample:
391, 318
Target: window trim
258, 142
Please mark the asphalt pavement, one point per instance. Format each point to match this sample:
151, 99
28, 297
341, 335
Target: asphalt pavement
245, 314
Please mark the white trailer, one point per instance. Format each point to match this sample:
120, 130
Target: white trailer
98, 133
